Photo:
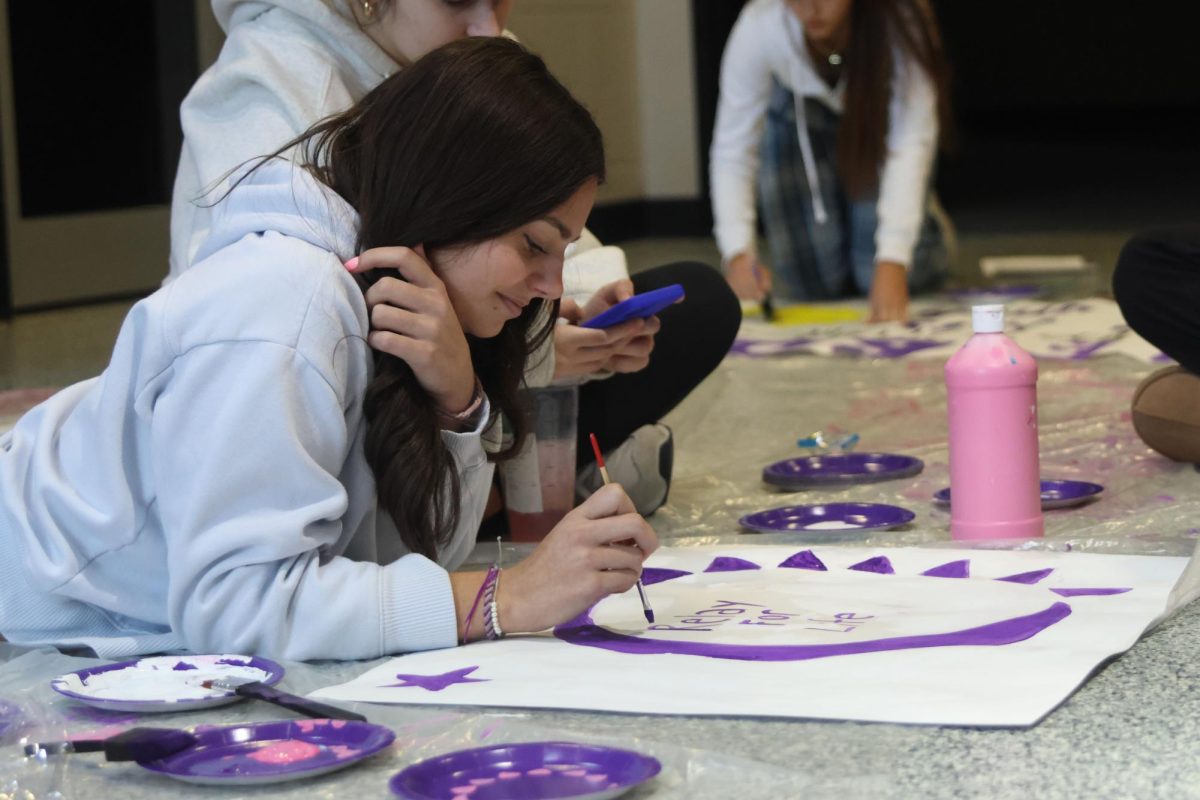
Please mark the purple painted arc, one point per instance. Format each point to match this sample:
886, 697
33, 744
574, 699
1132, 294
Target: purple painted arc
805, 559
1100, 592
952, 569
730, 564
653, 575
1028, 577
879, 565
582, 631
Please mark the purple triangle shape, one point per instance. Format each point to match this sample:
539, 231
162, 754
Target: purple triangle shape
652, 575
730, 564
1028, 577
805, 559
954, 569
1086, 592
878, 564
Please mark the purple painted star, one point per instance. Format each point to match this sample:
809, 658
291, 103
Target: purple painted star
435, 683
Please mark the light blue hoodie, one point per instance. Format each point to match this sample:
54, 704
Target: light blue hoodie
208, 491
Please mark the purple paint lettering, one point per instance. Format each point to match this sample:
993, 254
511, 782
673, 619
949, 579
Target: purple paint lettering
878, 564
805, 559
953, 569
730, 564
1028, 577
1087, 592
582, 631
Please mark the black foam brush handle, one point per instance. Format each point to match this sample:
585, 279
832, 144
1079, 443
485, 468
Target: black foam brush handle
135, 744
292, 702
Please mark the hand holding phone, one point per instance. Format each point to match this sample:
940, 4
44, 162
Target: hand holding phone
640, 306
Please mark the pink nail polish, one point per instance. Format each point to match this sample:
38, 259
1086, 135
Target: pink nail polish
352, 264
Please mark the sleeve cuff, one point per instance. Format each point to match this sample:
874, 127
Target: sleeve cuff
417, 610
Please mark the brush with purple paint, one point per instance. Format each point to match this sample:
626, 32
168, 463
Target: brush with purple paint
646, 609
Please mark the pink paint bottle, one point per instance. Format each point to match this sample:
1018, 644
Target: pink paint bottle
991, 398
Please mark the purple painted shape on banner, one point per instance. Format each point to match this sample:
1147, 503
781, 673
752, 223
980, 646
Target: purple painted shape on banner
1087, 592
435, 683
730, 564
805, 559
900, 347
1028, 577
652, 575
582, 631
764, 348
954, 569
183, 666
234, 662
879, 565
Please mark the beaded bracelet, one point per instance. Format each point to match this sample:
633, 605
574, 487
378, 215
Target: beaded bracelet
492, 576
491, 614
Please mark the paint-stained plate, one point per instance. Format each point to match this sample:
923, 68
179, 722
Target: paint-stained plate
824, 470
1055, 494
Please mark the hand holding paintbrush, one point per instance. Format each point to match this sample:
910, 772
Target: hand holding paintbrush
646, 609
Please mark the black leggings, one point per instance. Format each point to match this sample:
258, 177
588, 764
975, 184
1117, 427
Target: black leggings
1157, 286
694, 337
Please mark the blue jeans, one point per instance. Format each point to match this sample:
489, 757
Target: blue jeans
814, 261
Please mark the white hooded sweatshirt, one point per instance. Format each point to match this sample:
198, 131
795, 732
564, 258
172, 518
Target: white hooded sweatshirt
209, 490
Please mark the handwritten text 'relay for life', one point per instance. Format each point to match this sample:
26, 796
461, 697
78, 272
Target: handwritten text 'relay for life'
743, 613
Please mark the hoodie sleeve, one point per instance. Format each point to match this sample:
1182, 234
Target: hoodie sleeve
904, 179
741, 108
248, 442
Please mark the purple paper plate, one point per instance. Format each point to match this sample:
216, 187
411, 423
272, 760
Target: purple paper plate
164, 683
272, 752
828, 520
798, 473
529, 771
1055, 494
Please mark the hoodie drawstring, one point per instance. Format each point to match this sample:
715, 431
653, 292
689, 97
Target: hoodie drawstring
806, 150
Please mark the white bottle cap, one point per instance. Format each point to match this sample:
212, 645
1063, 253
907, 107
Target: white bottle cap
987, 319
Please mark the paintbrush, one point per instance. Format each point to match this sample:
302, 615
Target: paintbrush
135, 744
766, 304
293, 702
646, 609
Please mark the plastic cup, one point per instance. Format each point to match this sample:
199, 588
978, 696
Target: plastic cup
539, 484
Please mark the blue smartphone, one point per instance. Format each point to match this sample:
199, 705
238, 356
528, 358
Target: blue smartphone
640, 306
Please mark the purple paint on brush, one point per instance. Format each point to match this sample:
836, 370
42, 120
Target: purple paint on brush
1028, 577
954, 569
730, 564
1087, 592
582, 631
879, 565
652, 575
805, 559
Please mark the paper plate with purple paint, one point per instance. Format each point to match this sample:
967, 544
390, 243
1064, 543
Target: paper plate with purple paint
828, 521
164, 683
823, 470
1055, 494
528, 771
272, 752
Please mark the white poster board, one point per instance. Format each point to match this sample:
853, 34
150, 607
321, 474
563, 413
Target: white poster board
910, 635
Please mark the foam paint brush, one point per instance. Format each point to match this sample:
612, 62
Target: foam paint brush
646, 609
292, 702
135, 744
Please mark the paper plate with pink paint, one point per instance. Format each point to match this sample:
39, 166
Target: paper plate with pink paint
272, 752
527, 771
164, 683
828, 521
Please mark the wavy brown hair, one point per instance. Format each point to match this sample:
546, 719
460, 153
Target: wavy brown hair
472, 141
877, 28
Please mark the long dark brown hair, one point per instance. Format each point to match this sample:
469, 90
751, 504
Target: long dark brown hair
472, 141
876, 28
